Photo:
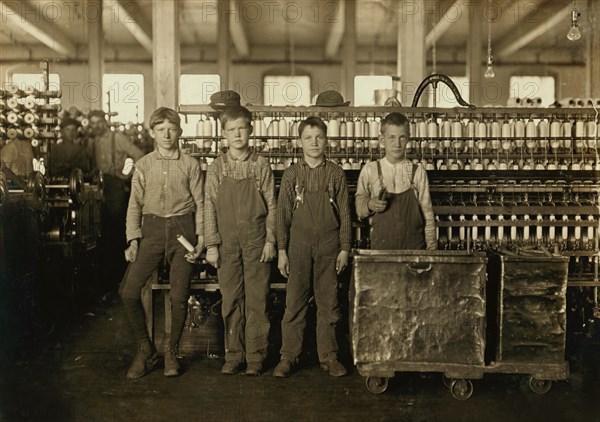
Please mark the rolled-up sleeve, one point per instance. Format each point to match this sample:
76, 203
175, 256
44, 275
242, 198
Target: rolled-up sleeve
363, 194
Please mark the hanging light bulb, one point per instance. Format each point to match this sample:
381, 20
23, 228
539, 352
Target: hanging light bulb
574, 33
489, 71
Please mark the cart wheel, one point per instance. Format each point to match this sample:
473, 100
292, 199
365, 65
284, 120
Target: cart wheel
447, 381
539, 386
376, 385
461, 389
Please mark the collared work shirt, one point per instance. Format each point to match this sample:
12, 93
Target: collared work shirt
396, 178
103, 154
238, 169
165, 187
313, 178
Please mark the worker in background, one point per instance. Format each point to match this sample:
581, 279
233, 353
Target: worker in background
167, 202
110, 150
240, 238
314, 232
70, 153
394, 194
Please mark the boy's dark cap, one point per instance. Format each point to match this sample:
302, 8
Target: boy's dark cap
68, 121
331, 98
222, 99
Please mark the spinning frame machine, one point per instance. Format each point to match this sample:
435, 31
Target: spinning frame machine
501, 179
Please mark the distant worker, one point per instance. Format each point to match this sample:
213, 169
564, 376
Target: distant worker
70, 153
110, 150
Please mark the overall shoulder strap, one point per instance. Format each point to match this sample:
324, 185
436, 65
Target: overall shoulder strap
329, 168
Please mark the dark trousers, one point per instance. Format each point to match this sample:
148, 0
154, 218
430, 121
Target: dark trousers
244, 284
159, 243
311, 257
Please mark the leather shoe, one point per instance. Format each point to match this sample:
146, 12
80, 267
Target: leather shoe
172, 368
334, 368
254, 368
144, 362
283, 369
230, 368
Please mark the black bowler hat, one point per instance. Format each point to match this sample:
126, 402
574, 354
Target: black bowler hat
331, 98
223, 99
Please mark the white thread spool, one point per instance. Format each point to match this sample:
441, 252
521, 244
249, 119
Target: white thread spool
187, 245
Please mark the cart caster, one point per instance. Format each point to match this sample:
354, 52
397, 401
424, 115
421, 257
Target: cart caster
461, 389
376, 385
539, 386
447, 381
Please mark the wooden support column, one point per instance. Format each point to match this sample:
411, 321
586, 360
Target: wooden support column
348, 10
411, 48
592, 56
165, 53
92, 92
223, 44
474, 60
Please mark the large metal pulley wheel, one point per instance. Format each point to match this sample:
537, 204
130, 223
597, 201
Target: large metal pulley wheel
36, 187
76, 186
98, 180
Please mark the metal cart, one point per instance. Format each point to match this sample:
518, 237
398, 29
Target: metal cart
527, 316
419, 311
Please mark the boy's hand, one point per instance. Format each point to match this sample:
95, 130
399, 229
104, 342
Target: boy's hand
376, 205
283, 263
268, 252
341, 262
212, 256
131, 251
192, 257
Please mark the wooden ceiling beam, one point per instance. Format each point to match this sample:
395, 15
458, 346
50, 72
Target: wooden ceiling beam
515, 40
135, 23
337, 31
451, 16
236, 29
26, 16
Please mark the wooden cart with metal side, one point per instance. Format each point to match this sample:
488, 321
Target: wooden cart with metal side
527, 317
419, 311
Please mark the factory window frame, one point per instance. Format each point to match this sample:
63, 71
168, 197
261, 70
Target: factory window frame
445, 97
365, 86
196, 89
534, 87
35, 80
126, 96
281, 90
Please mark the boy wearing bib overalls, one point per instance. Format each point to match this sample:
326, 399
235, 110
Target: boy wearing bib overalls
239, 229
394, 193
314, 236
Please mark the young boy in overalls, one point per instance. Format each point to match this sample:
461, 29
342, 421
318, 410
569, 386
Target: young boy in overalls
394, 193
167, 199
314, 238
240, 237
